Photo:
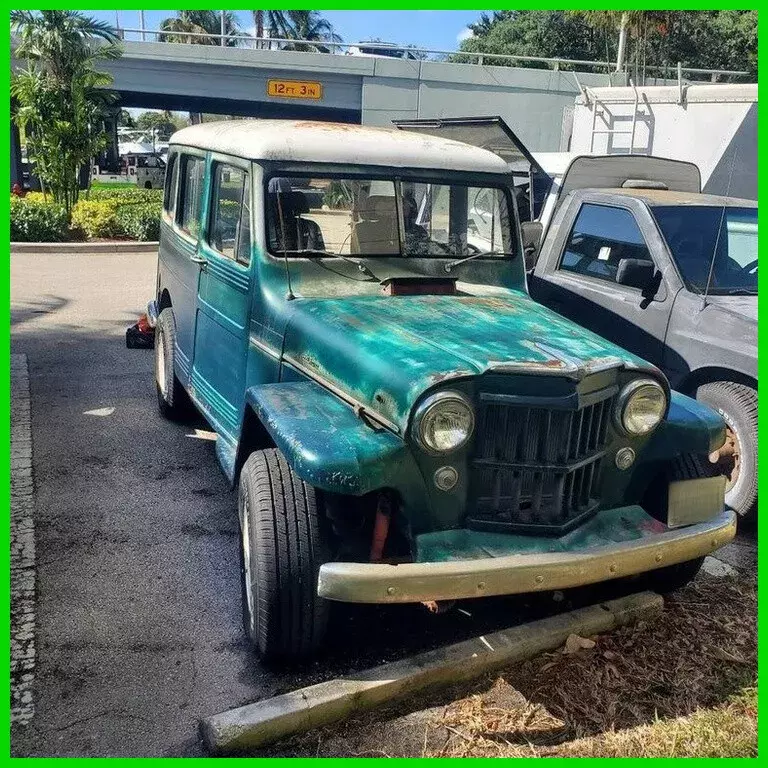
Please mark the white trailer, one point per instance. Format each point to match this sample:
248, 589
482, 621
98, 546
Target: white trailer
711, 125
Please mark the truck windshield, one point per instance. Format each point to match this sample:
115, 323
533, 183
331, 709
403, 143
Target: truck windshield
358, 217
697, 234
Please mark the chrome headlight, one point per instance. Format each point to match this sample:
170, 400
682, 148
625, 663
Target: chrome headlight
444, 422
641, 406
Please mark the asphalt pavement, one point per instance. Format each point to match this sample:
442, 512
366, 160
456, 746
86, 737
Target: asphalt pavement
138, 618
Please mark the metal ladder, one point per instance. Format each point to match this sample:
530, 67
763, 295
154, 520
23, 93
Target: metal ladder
596, 104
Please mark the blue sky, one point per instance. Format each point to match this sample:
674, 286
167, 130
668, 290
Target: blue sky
430, 29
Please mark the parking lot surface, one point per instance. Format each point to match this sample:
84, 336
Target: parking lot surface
138, 624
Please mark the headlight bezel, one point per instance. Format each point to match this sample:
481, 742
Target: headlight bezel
427, 406
625, 396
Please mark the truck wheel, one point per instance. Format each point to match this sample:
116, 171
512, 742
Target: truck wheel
283, 544
172, 399
737, 459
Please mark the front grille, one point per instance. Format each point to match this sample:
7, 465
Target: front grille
536, 469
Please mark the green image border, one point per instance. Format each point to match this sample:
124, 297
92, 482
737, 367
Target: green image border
392, 5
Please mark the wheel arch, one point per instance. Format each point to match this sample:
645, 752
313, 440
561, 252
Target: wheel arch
165, 300
254, 436
711, 374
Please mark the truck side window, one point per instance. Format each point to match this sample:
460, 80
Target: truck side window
230, 230
601, 237
191, 194
170, 183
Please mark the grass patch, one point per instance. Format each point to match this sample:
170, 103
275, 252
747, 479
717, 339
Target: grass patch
112, 185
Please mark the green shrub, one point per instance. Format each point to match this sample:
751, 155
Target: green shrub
96, 218
125, 194
140, 221
37, 221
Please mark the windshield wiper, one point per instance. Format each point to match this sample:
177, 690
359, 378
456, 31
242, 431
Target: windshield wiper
319, 252
451, 264
733, 291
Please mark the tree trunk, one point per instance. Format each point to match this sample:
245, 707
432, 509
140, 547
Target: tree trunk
620, 56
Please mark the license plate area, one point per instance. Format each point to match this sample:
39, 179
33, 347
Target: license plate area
695, 501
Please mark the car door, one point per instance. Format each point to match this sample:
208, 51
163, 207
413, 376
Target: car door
223, 301
581, 281
179, 235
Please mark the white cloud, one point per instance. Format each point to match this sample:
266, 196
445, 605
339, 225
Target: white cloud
465, 34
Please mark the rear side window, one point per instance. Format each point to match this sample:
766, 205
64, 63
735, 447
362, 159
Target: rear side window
601, 237
170, 183
190, 194
230, 230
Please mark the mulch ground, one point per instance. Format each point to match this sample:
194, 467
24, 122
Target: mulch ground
683, 684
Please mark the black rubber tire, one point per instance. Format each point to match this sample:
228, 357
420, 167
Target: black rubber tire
172, 399
737, 404
284, 539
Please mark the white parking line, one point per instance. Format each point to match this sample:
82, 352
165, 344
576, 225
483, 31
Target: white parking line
22, 547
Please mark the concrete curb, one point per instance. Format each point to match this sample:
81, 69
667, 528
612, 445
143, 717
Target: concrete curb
263, 722
111, 246
23, 650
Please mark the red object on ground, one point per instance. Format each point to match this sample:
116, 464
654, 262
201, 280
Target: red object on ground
380, 529
18, 190
143, 325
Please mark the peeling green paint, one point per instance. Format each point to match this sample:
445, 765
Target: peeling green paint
611, 526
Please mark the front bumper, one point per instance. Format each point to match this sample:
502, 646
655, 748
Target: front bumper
518, 573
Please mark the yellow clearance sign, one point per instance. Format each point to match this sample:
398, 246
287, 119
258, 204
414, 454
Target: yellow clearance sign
295, 89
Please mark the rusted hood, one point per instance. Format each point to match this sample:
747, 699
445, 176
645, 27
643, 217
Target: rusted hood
387, 351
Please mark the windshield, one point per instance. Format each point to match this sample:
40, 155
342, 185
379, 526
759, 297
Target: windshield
695, 234
363, 217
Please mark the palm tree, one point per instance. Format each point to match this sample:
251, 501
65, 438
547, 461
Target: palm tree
258, 23
197, 23
59, 99
60, 43
301, 25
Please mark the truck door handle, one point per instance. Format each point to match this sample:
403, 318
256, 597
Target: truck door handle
198, 260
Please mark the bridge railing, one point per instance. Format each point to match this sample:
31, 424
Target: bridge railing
467, 57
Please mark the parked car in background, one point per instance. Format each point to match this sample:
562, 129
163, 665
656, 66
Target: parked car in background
671, 276
403, 422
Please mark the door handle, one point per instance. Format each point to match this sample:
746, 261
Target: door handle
198, 260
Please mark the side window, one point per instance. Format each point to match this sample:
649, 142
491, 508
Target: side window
601, 237
230, 230
190, 194
170, 183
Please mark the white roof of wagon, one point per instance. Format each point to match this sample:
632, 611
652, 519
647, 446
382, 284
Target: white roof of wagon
318, 142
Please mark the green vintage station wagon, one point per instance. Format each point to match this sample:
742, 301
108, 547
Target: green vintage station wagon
347, 307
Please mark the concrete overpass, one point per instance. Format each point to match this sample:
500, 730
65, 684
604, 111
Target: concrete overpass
374, 91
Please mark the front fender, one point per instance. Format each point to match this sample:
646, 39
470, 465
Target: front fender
690, 427
325, 442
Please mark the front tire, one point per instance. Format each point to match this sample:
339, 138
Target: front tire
284, 541
737, 460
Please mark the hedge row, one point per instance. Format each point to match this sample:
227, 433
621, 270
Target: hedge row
37, 221
100, 214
